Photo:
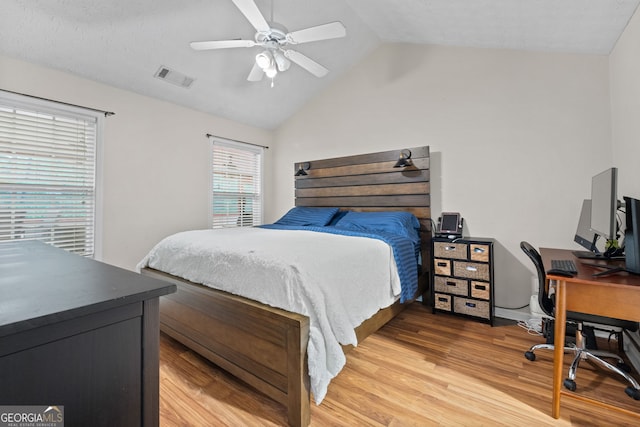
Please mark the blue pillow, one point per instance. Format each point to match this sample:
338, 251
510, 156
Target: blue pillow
400, 223
337, 217
308, 216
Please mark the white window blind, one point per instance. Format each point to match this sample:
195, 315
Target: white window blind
48, 175
237, 184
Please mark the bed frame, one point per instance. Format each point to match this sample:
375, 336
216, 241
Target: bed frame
267, 347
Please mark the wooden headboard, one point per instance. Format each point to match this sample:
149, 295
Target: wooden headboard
369, 182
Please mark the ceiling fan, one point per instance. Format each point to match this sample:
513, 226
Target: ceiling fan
274, 38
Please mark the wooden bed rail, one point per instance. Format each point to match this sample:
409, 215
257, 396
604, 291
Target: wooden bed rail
263, 346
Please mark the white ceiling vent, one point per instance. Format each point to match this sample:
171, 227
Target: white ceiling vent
174, 77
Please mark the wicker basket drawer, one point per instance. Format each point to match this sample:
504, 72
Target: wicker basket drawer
443, 302
472, 307
442, 266
450, 250
479, 252
480, 290
451, 285
472, 270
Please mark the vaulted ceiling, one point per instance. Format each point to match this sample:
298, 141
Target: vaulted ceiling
123, 43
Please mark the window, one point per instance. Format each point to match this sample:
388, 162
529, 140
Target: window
48, 173
237, 184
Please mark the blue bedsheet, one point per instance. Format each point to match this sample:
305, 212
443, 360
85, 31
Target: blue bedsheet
404, 251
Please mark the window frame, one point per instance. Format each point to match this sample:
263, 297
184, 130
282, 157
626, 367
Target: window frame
30, 103
251, 148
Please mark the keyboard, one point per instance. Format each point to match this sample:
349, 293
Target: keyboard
564, 264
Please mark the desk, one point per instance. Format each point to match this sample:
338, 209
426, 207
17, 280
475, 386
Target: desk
616, 295
78, 333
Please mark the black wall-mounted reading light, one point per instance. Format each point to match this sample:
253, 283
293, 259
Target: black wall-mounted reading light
404, 160
302, 168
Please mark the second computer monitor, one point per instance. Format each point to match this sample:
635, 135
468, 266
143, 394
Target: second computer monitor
585, 236
604, 203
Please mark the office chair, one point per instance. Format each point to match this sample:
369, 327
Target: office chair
581, 350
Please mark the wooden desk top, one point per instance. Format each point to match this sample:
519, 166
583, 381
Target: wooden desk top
585, 271
614, 295
40, 284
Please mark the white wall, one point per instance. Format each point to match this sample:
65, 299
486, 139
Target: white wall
515, 138
625, 108
156, 157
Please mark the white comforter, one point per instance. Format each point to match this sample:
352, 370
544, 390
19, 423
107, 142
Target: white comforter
337, 281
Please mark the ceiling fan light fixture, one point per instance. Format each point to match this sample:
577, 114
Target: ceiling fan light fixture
282, 63
271, 71
264, 60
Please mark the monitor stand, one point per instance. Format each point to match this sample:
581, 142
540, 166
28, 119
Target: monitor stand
607, 269
587, 254
594, 255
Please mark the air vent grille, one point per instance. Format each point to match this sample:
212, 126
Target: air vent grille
174, 77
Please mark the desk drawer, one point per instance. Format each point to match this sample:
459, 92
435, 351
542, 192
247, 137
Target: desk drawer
450, 250
472, 307
480, 290
479, 252
442, 266
451, 285
471, 270
443, 301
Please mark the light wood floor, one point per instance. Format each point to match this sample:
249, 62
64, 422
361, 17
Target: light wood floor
420, 369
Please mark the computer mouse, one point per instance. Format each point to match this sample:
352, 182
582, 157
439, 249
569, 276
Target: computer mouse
558, 272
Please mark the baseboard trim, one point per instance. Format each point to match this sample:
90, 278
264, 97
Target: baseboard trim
517, 315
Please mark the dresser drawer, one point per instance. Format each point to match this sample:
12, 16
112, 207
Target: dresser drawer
480, 290
471, 270
443, 301
450, 250
451, 285
479, 252
442, 266
472, 307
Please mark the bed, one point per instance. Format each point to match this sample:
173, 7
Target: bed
266, 346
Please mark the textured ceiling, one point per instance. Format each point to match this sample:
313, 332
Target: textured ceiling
123, 42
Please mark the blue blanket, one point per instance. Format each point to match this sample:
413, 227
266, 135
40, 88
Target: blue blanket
404, 252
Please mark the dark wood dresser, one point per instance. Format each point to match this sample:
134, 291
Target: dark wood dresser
78, 333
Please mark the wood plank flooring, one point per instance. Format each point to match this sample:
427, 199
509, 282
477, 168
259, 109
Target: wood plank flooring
420, 369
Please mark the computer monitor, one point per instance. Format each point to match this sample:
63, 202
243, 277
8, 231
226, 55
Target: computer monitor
585, 237
631, 235
604, 203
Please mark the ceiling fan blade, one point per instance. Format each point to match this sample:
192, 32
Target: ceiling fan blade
256, 73
332, 30
253, 14
307, 63
221, 44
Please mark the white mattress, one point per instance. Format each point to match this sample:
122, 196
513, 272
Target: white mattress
337, 281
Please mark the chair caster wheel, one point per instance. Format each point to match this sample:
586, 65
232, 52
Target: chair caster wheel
530, 355
632, 392
569, 384
624, 367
